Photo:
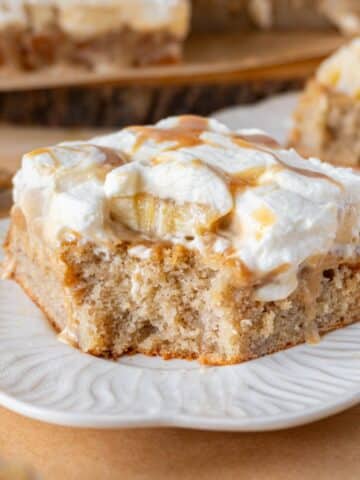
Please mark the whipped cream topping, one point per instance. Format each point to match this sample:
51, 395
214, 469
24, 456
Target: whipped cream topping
341, 71
192, 181
86, 19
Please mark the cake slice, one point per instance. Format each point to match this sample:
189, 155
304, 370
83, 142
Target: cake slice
187, 240
344, 14
232, 15
327, 119
220, 15
96, 34
289, 14
307, 14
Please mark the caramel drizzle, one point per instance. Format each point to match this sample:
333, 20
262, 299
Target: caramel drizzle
249, 141
272, 274
194, 122
247, 178
265, 216
186, 134
257, 139
45, 150
250, 278
40, 151
113, 158
311, 292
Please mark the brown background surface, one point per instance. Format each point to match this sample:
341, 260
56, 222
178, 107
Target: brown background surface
325, 450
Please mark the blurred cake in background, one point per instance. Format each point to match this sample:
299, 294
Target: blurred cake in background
327, 120
94, 33
224, 57
345, 14
222, 15
103, 33
288, 14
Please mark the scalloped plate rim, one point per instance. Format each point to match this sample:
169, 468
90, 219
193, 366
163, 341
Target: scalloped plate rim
114, 421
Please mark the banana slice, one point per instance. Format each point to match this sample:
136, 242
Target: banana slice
168, 199
153, 216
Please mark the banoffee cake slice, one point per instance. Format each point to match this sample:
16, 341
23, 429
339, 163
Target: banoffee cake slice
186, 240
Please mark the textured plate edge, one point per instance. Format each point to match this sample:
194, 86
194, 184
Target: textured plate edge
116, 421
112, 422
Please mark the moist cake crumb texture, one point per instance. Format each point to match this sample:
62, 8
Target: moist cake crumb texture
187, 240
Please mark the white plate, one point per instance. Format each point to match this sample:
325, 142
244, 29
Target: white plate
50, 381
272, 115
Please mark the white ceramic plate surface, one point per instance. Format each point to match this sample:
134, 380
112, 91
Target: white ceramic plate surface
50, 381
272, 115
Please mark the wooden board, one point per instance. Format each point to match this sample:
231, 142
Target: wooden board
209, 58
219, 70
